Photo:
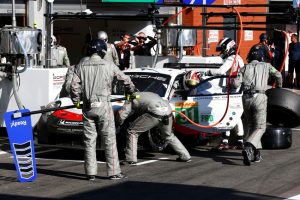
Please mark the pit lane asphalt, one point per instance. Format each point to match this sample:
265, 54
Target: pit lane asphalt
210, 175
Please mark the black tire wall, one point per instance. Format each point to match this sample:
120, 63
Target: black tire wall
283, 108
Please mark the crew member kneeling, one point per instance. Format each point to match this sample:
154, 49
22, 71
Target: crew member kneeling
151, 111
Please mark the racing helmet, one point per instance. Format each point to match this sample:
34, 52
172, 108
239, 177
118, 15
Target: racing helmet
191, 80
257, 52
226, 47
102, 35
97, 46
263, 37
53, 40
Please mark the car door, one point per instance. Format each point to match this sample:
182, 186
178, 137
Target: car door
207, 105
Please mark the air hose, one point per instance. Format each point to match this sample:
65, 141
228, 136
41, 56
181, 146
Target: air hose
229, 79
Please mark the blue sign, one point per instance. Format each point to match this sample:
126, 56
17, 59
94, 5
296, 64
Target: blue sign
198, 2
19, 130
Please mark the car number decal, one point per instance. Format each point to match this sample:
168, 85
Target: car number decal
190, 109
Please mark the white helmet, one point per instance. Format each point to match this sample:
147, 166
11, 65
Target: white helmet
191, 80
102, 35
226, 47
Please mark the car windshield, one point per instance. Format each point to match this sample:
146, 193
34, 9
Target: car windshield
144, 82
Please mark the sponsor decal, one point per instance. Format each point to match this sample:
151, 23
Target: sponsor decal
18, 123
70, 123
190, 109
207, 118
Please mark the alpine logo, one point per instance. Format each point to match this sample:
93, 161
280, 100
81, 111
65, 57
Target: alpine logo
19, 123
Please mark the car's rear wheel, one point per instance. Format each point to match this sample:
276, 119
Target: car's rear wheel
283, 108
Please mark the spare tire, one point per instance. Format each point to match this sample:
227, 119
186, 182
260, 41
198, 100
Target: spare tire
283, 108
276, 138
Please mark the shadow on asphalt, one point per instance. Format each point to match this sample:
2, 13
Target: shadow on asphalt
149, 191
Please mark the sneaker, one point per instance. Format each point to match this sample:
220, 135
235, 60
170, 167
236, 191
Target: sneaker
183, 160
223, 146
91, 177
247, 155
118, 176
257, 156
124, 162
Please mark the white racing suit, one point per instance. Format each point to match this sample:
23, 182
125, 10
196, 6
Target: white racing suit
92, 83
254, 77
225, 69
59, 56
111, 54
152, 111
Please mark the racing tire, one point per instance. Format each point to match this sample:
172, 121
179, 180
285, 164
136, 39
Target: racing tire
156, 141
283, 108
276, 138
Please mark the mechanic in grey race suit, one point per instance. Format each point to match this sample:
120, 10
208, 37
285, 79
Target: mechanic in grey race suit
227, 49
151, 111
92, 83
111, 53
59, 54
254, 77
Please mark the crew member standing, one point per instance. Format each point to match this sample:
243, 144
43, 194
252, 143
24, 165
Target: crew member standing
123, 48
227, 49
59, 54
111, 54
141, 47
92, 83
151, 111
254, 77
294, 62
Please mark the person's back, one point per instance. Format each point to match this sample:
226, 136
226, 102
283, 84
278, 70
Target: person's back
111, 54
152, 103
257, 74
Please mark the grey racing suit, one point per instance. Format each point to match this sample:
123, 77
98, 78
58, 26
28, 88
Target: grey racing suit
111, 54
92, 83
151, 110
59, 56
254, 77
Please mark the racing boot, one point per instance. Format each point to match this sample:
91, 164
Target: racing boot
118, 176
124, 162
257, 156
248, 154
91, 177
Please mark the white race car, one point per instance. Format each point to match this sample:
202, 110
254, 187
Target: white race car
207, 105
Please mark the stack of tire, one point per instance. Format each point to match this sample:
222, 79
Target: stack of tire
283, 113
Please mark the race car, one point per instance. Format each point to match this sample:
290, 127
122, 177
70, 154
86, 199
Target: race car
211, 105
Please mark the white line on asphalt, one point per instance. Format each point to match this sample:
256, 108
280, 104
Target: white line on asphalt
151, 161
295, 129
297, 197
3, 152
46, 151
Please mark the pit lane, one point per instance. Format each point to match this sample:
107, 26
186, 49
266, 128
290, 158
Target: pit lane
210, 175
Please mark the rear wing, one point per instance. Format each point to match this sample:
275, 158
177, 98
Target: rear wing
196, 66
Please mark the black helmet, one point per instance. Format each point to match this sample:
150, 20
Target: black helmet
258, 53
98, 46
263, 37
226, 47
